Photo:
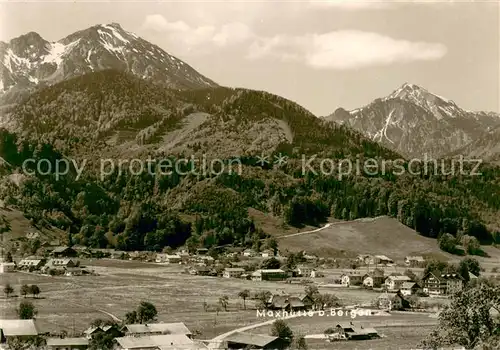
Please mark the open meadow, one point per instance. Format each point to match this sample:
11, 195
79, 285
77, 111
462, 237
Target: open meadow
393, 338
71, 303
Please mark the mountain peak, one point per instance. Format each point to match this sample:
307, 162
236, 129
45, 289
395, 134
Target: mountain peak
113, 24
418, 95
30, 60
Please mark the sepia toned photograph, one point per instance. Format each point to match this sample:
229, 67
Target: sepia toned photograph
249, 174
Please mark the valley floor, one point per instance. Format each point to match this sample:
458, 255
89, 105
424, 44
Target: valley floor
71, 303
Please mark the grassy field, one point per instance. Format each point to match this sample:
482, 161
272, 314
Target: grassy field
397, 330
394, 338
318, 324
20, 225
71, 303
382, 235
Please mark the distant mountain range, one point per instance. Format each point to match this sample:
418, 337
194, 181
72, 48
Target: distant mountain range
410, 121
414, 122
104, 93
29, 60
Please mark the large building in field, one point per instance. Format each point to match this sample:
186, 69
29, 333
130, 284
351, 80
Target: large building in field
233, 272
242, 340
67, 343
176, 328
269, 275
442, 284
21, 329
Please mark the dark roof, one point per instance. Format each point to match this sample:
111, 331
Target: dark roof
61, 249
444, 276
346, 326
282, 301
295, 302
250, 339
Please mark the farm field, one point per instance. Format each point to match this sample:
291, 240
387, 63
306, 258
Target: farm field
318, 324
71, 303
398, 330
381, 235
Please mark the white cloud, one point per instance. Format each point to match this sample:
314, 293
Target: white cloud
232, 33
345, 49
198, 38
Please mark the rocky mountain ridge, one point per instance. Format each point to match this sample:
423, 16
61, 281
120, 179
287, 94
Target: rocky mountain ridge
30, 61
415, 122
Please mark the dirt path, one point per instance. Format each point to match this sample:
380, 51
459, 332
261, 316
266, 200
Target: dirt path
305, 232
216, 342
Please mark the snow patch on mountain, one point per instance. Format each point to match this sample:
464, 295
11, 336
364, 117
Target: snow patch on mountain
116, 33
30, 60
57, 51
413, 121
11, 59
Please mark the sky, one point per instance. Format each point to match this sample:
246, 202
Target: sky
320, 54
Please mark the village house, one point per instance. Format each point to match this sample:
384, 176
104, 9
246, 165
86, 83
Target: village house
185, 256
73, 271
399, 302
269, 275
233, 272
112, 330
50, 245
285, 302
310, 258
6, 267
97, 253
168, 258
353, 278
177, 328
32, 234
410, 288
61, 263
201, 251
199, 270
249, 253
415, 261
351, 331
64, 252
154, 342
382, 260
365, 259
267, 253
120, 254
242, 340
306, 300
394, 283
67, 343
31, 263
305, 271
396, 301
22, 329
442, 284
374, 279
204, 260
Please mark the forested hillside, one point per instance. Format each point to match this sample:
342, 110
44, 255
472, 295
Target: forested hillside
81, 117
